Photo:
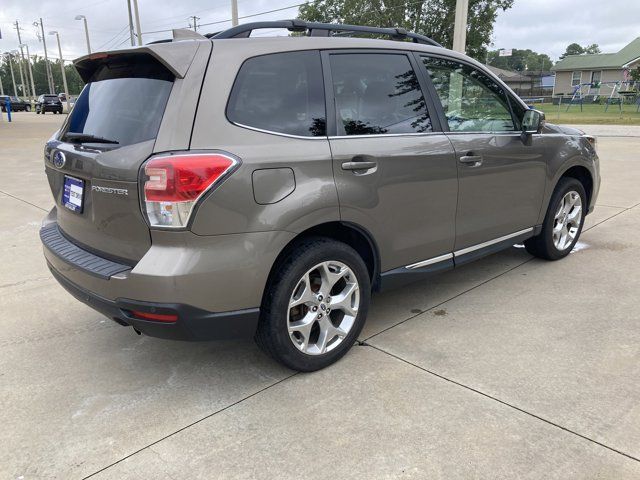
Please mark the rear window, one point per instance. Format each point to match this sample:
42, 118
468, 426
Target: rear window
282, 93
123, 101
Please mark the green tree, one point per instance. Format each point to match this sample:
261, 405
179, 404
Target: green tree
74, 82
577, 49
521, 60
434, 18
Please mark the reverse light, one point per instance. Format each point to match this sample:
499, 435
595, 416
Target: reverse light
175, 183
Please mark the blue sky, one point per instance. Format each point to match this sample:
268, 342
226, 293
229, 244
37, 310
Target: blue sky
546, 26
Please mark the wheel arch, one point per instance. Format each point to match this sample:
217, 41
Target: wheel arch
583, 175
357, 237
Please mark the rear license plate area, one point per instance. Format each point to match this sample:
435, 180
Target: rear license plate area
73, 193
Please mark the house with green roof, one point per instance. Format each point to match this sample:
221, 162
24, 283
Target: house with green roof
601, 68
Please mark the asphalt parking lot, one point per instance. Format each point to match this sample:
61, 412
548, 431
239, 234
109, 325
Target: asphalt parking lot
510, 367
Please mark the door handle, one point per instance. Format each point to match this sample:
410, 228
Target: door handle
359, 165
471, 160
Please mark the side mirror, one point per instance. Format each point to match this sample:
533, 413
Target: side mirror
532, 123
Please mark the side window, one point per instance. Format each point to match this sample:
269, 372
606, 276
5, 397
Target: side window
377, 94
280, 92
472, 101
576, 79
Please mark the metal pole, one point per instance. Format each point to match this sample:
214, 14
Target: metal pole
234, 12
21, 63
195, 22
86, 31
460, 26
130, 23
46, 59
33, 86
137, 18
13, 78
1, 86
64, 75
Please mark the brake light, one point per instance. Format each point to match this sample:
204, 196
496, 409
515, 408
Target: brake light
174, 184
155, 316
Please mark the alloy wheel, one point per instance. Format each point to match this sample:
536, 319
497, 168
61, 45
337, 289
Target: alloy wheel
567, 220
323, 307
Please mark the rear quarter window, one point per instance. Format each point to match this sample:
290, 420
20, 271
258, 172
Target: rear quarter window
281, 93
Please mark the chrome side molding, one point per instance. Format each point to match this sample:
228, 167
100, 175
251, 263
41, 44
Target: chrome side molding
463, 251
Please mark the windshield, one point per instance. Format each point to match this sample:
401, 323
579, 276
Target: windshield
120, 105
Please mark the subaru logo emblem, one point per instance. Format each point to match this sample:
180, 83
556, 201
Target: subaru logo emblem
59, 159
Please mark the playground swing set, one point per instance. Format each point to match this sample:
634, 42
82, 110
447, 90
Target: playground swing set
591, 92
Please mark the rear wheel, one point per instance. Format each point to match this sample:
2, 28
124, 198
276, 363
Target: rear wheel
27, 108
315, 305
563, 222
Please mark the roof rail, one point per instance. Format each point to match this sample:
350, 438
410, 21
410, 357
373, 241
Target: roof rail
314, 29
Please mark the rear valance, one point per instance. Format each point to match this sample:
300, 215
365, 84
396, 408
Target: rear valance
176, 57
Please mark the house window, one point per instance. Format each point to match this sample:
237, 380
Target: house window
596, 77
576, 79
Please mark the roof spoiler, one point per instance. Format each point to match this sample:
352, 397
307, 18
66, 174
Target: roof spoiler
176, 57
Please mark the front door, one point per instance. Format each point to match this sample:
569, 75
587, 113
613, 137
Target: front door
501, 180
395, 172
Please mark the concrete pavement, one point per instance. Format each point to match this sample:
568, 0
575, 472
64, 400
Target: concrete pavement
507, 368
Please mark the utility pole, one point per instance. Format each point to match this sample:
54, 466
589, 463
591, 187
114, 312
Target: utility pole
64, 75
86, 31
136, 14
460, 26
234, 13
46, 57
195, 22
21, 63
13, 78
130, 23
33, 87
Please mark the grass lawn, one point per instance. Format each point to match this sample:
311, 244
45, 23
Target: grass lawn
592, 114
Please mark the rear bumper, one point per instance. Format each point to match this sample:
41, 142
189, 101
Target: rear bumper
213, 284
192, 324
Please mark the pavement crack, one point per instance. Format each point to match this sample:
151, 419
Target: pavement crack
507, 404
227, 407
449, 299
23, 201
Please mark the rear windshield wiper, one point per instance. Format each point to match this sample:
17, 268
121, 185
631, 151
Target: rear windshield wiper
86, 138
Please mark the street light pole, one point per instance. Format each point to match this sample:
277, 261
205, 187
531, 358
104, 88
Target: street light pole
130, 23
137, 17
13, 78
64, 75
33, 87
460, 26
86, 31
234, 13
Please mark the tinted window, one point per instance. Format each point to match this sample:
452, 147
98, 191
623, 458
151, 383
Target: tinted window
377, 94
472, 101
281, 92
123, 102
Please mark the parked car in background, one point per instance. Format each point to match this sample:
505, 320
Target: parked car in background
48, 103
268, 190
17, 104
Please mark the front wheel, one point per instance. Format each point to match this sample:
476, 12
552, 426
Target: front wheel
315, 305
563, 222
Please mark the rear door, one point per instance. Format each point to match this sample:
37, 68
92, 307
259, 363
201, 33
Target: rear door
395, 172
94, 184
501, 180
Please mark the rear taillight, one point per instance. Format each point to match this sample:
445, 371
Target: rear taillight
175, 183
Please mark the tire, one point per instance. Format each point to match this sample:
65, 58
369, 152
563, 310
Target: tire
297, 280
550, 247
27, 108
